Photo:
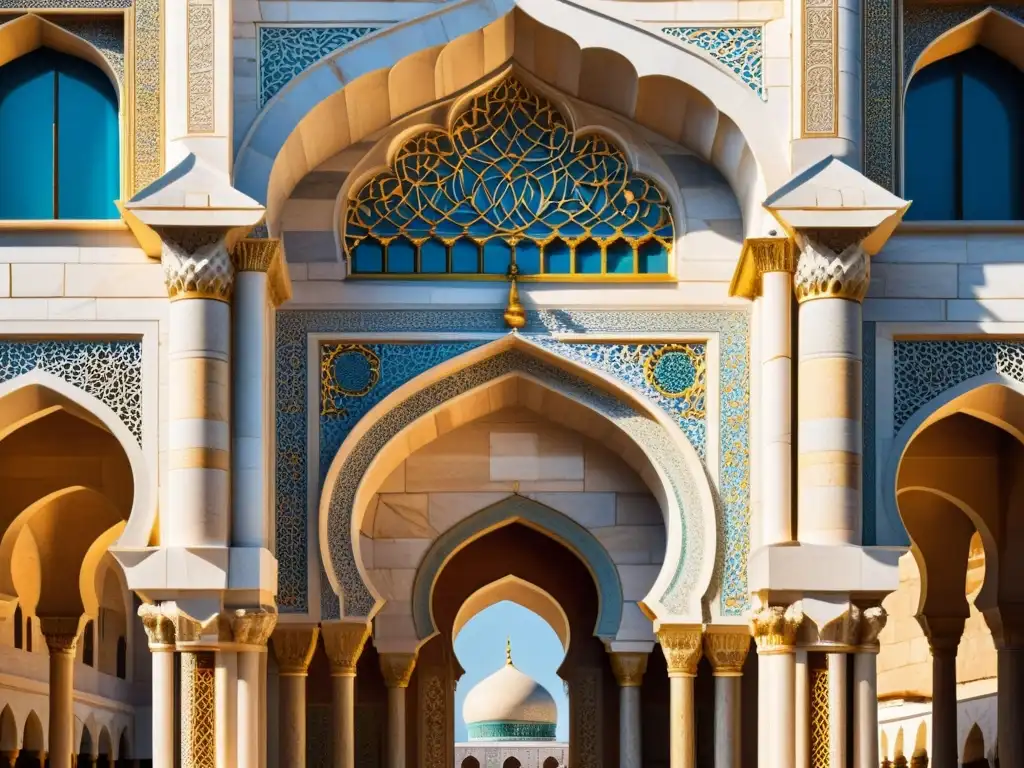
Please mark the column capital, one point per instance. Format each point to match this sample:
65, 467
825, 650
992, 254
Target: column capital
872, 622
252, 626
682, 646
255, 254
294, 648
628, 667
344, 643
775, 626
760, 256
1006, 623
832, 264
727, 646
943, 632
158, 625
843, 631
61, 632
397, 668
196, 263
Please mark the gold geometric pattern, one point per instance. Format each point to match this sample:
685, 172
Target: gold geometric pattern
820, 749
821, 69
147, 110
346, 370
678, 371
198, 724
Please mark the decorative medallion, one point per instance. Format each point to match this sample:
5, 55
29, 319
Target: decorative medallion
347, 370
741, 49
675, 370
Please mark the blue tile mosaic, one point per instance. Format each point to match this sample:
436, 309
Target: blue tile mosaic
110, 371
285, 52
741, 49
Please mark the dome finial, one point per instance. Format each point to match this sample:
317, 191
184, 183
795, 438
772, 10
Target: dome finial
508, 650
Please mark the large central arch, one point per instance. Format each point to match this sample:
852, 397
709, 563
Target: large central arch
392, 73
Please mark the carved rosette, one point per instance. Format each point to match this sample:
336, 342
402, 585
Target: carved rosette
682, 645
344, 643
252, 626
397, 669
294, 647
727, 650
832, 265
775, 626
629, 668
255, 254
159, 626
196, 263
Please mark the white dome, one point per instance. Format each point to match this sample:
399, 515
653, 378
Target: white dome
508, 697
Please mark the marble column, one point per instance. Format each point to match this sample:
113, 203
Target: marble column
294, 648
344, 643
774, 628
198, 709
629, 668
726, 647
865, 689
397, 670
264, 684
1007, 626
160, 631
802, 731
831, 279
250, 628
683, 646
225, 690
61, 639
944, 638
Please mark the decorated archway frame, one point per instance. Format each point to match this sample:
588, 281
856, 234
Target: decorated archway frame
295, 475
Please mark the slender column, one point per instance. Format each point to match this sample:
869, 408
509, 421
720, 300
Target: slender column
726, 646
226, 707
802, 731
61, 636
264, 683
344, 643
944, 638
836, 708
683, 647
774, 259
629, 668
200, 278
294, 647
160, 631
397, 669
252, 258
198, 709
774, 628
832, 275
250, 628
865, 689
1007, 625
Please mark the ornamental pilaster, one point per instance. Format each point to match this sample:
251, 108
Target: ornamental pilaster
253, 626
682, 645
775, 626
294, 648
344, 643
628, 668
833, 264
397, 669
726, 647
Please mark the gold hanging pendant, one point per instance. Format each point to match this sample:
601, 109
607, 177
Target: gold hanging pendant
515, 315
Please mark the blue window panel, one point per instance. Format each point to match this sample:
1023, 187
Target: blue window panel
27, 118
557, 258
433, 257
401, 256
497, 257
368, 258
588, 258
620, 257
991, 136
931, 174
652, 258
528, 257
465, 256
88, 155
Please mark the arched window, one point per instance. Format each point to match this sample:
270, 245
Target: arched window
964, 138
122, 657
470, 762
88, 646
551, 762
19, 628
59, 150
511, 762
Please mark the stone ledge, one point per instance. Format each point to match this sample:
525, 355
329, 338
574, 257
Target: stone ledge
163, 573
790, 571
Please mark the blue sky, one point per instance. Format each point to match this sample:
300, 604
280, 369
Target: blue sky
480, 648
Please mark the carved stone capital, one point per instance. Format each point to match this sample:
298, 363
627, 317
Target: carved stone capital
1006, 623
682, 646
397, 668
158, 625
943, 632
61, 632
196, 263
629, 668
843, 630
832, 264
252, 626
294, 648
775, 626
344, 643
255, 254
872, 622
726, 648
772, 254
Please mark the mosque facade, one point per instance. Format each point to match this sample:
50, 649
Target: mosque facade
695, 327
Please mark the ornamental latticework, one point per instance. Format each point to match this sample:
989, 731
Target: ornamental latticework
509, 182
820, 750
198, 725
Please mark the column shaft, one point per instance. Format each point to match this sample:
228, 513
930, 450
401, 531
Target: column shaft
226, 706
344, 695
630, 742
61, 700
163, 707
728, 722
865, 710
1010, 707
781, 669
944, 741
249, 739
396, 728
776, 408
802, 711
293, 720
264, 730
682, 747
837, 708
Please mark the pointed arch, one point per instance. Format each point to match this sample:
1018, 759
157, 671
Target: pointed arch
405, 67
8, 731
518, 509
26, 395
106, 745
636, 427
991, 28
515, 590
974, 746
33, 740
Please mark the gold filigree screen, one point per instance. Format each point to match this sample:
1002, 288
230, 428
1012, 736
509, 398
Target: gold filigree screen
510, 183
